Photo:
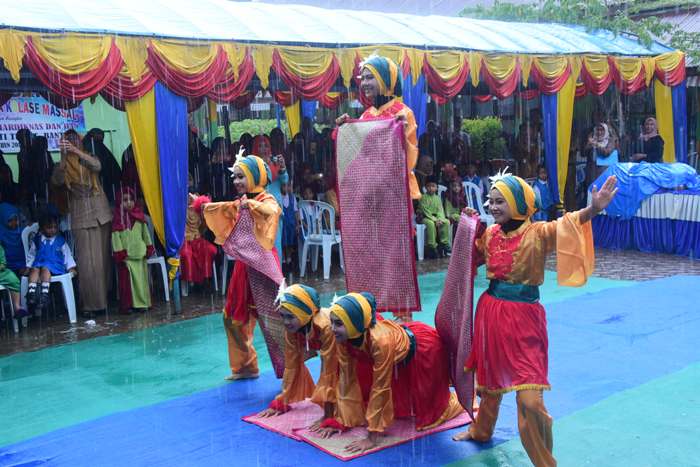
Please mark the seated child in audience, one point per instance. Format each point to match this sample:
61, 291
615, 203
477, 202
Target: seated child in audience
131, 246
472, 177
197, 253
11, 239
290, 223
49, 255
541, 187
455, 201
436, 224
9, 280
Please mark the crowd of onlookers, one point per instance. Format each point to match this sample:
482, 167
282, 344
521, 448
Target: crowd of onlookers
90, 211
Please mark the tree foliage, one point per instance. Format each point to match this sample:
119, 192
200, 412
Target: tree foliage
616, 16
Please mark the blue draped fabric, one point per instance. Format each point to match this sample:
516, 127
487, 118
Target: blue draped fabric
172, 131
637, 181
308, 109
549, 122
680, 122
648, 235
415, 96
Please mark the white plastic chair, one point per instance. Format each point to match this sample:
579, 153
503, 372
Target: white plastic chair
420, 241
471, 191
186, 285
441, 190
66, 280
224, 273
157, 260
318, 231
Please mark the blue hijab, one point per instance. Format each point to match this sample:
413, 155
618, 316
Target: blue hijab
10, 239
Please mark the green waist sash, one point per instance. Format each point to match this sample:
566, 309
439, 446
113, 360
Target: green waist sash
514, 292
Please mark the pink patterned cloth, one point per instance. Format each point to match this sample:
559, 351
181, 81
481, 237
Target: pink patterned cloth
264, 276
453, 318
375, 204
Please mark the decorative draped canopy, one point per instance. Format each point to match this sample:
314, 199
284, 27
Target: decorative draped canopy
215, 48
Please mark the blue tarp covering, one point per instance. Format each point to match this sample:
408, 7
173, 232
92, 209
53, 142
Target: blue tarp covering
636, 182
306, 25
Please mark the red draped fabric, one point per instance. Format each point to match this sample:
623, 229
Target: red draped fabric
627, 86
671, 78
332, 102
230, 90
74, 87
550, 85
285, 98
447, 89
121, 88
307, 88
505, 87
581, 89
595, 86
483, 99
196, 85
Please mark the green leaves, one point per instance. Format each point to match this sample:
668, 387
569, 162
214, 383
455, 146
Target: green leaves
486, 135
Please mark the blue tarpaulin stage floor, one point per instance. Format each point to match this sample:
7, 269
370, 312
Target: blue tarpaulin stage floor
613, 344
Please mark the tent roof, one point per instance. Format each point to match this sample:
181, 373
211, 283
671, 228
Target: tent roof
307, 25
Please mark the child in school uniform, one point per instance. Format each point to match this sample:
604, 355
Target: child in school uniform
541, 187
436, 224
49, 255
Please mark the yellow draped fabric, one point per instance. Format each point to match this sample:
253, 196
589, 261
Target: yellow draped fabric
669, 61
649, 69
306, 62
191, 58
447, 63
629, 67
475, 59
12, 51
393, 52
134, 53
500, 66
565, 115
262, 56
664, 119
293, 114
551, 66
597, 66
141, 115
236, 54
346, 58
417, 57
526, 67
72, 54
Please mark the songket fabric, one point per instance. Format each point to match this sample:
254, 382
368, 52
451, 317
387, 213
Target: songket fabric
377, 235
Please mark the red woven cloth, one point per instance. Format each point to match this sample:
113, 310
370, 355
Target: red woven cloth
264, 277
453, 318
377, 235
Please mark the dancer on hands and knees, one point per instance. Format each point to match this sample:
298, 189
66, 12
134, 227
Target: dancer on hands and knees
387, 371
509, 351
308, 328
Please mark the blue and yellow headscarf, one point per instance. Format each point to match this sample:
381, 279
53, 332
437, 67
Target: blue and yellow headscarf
256, 171
519, 195
357, 311
300, 300
387, 74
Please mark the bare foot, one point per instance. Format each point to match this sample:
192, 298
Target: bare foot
463, 436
